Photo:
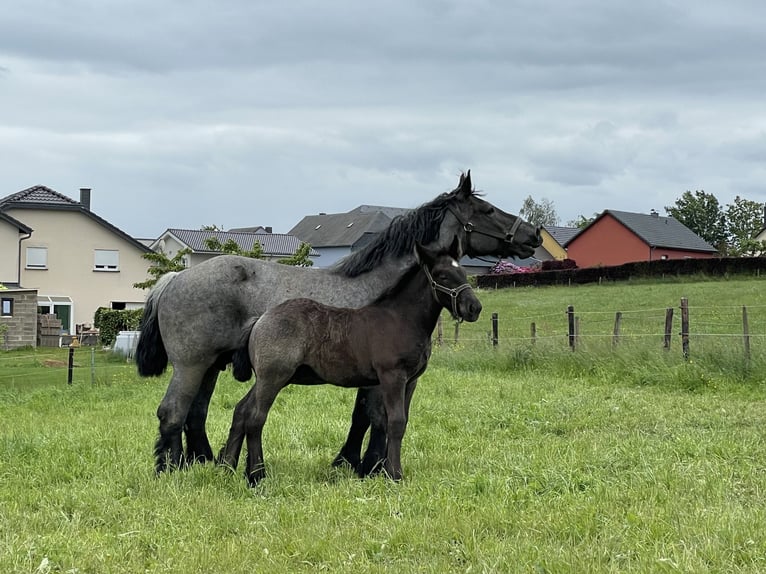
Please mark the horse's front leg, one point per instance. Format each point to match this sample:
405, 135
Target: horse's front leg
229, 455
350, 452
375, 455
393, 386
197, 444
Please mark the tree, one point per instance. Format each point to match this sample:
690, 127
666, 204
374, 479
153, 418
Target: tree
539, 214
300, 258
162, 264
230, 247
582, 222
701, 212
744, 219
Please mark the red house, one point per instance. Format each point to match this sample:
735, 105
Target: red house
617, 237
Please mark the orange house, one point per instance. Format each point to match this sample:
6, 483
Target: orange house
617, 237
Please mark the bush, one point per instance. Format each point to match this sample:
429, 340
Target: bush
555, 264
110, 322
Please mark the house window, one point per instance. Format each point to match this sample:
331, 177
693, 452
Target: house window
6, 307
106, 260
37, 258
59, 306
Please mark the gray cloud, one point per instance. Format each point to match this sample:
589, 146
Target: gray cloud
240, 113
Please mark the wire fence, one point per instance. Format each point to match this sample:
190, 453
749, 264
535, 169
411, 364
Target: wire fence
684, 329
65, 365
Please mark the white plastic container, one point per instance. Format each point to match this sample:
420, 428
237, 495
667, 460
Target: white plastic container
126, 342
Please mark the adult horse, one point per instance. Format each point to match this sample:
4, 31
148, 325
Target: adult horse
194, 318
385, 344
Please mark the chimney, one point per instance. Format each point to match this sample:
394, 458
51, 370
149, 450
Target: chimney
269, 229
85, 197
654, 213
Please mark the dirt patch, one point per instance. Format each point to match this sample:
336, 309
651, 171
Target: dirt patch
54, 363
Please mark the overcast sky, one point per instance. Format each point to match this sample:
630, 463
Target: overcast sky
239, 113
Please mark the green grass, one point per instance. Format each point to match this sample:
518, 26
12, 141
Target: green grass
521, 458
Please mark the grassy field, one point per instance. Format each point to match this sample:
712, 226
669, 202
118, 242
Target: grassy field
522, 458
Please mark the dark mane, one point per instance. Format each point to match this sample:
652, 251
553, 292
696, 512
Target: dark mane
398, 239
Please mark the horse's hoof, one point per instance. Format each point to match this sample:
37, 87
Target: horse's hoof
342, 460
370, 467
256, 476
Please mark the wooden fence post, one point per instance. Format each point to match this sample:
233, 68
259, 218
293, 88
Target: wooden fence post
668, 327
616, 333
533, 332
70, 368
685, 326
746, 332
494, 329
571, 320
457, 331
439, 332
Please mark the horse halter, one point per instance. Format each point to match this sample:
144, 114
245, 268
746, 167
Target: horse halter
453, 293
468, 227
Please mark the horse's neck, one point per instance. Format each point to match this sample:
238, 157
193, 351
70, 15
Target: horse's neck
362, 289
415, 301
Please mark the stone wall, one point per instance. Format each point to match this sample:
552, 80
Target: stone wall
22, 324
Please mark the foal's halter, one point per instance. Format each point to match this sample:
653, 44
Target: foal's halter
453, 293
469, 228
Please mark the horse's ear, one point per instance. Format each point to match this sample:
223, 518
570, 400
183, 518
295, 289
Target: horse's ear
464, 187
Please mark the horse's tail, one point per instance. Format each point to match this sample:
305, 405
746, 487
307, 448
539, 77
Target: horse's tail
151, 356
241, 365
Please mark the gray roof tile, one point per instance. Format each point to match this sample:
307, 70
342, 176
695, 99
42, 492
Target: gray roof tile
562, 234
660, 231
273, 244
38, 194
342, 229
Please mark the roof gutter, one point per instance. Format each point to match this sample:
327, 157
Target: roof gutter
18, 271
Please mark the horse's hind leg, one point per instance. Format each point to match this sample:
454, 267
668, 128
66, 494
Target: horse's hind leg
350, 452
172, 413
197, 444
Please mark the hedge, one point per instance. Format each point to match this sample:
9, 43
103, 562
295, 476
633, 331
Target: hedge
110, 322
716, 267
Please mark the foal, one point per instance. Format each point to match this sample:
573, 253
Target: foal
387, 343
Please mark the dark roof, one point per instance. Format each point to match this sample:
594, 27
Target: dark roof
15, 222
390, 212
562, 235
256, 229
274, 244
342, 229
42, 197
658, 231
